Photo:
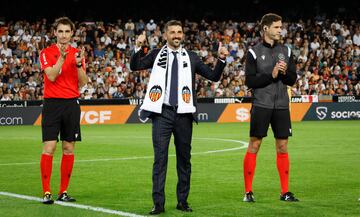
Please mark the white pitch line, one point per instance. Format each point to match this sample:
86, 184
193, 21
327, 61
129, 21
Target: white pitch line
75, 205
244, 145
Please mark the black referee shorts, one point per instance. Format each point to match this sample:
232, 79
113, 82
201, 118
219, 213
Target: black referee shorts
279, 119
61, 116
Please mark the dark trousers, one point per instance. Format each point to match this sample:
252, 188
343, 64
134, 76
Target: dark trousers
163, 125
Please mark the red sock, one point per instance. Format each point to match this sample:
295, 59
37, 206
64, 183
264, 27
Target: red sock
283, 165
46, 168
67, 163
249, 170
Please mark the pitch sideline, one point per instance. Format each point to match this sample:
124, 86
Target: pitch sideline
75, 205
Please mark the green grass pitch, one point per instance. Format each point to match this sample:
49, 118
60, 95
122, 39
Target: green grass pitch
113, 166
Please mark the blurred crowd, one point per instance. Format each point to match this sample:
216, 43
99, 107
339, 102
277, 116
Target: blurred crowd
326, 52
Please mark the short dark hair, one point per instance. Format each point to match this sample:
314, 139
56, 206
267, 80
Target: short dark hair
64, 21
172, 23
268, 19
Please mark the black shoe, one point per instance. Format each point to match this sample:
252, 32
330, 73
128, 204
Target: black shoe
288, 196
156, 210
183, 206
47, 198
249, 197
65, 197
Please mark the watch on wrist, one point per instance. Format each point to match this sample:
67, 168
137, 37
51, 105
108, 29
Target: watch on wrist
79, 65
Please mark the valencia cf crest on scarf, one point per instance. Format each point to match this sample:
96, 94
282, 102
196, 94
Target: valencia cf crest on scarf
186, 94
155, 93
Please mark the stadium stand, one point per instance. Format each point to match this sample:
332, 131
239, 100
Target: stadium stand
326, 51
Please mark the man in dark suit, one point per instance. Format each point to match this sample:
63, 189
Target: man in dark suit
174, 106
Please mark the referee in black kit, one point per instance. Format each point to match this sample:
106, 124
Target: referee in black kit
269, 69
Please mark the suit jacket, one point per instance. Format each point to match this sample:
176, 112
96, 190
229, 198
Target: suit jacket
139, 62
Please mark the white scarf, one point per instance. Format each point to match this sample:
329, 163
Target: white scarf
155, 92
